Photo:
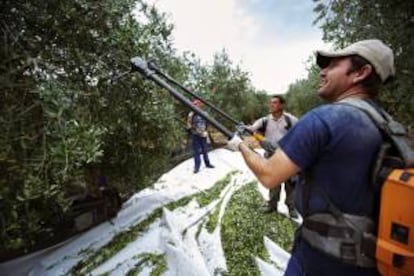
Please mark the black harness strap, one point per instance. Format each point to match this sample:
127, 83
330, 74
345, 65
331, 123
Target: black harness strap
328, 230
306, 194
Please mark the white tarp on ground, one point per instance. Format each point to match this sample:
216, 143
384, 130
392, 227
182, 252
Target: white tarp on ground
174, 234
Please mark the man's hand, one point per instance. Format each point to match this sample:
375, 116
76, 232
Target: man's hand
268, 147
234, 143
241, 128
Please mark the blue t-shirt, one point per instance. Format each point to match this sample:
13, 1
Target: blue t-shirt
336, 145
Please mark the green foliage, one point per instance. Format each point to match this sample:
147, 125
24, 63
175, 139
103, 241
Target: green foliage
243, 228
229, 84
213, 193
158, 261
301, 96
40, 175
62, 122
86, 265
212, 220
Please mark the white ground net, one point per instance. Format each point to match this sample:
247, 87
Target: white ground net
177, 234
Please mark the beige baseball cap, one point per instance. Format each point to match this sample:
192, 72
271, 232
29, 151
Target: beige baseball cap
375, 51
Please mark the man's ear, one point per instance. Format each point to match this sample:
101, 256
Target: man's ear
362, 73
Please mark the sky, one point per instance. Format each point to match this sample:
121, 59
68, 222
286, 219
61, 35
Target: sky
270, 39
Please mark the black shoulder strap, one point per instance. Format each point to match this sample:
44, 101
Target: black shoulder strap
306, 177
262, 129
392, 129
288, 122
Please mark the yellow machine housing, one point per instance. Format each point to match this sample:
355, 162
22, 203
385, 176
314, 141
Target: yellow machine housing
395, 243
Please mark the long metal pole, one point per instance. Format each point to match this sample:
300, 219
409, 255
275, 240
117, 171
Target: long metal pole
153, 66
140, 65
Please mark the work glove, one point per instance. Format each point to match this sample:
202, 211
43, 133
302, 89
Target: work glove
241, 128
234, 143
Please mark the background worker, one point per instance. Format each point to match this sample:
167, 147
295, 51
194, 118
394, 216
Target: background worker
198, 127
274, 126
334, 146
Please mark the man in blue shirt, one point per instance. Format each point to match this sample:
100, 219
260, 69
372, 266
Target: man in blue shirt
198, 127
334, 147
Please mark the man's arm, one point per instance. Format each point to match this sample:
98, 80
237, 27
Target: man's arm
189, 119
256, 125
270, 172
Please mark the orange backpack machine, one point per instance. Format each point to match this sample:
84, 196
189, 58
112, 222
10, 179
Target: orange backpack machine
395, 172
395, 240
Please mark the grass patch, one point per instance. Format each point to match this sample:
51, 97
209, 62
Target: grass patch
212, 220
116, 244
122, 239
243, 228
214, 192
157, 261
